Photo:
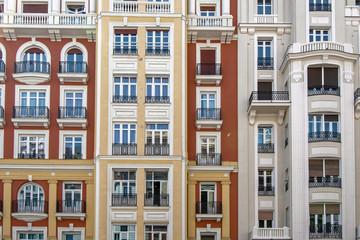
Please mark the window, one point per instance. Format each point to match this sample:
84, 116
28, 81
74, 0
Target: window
325, 218
125, 90
75, 9
40, 7
30, 235
208, 11
155, 232
124, 192
157, 42
74, 105
265, 141
266, 185
71, 236
324, 173
34, 60
318, 35
73, 147
124, 232
266, 219
264, 7
75, 61
208, 148
31, 198
320, 5
73, 102
157, 134
265, 59
156, 189
2, 62
323, 81
208, 204
32, 104
72, 197
32, 146
125, 133
125, 41
327, 123
157, 90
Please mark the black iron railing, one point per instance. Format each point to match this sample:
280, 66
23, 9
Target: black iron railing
124, 99
266, 191
326, 231
33, 155
157, 51
124, 199
32, 67
266, 148
356, 94
29, 206
73, 67
157, 149
265, 63
320, 7
71, 206
208, 159
208, 114
72, 113
324, 137
124, 149
30, 112
286, 142
156, 199
328, 181
213, 207
157, 99
324, 90
208, 69
73, 156
269, 96
2, 66
132, 50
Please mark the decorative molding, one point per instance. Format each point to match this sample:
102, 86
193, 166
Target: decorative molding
252, 115
280, 117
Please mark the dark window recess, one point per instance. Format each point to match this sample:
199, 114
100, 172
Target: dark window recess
331, 118
207, 56
207, 8
264, 90
125, 31
35, 8
331, 76
1, 8
34, 50
314, 78
74, 51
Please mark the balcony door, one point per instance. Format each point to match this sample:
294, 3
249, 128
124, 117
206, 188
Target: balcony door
32, 103
74, 60
34, 61
265, 90
264, 55
208, 198
208, 62
31, 198
72, 197
208, 105
156, 187
74, 103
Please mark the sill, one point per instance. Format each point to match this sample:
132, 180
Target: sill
73, 77
156, 208
61, 216
208, 79
30, 122
124, 207
32, 78
2, 122
29, 217
208, 124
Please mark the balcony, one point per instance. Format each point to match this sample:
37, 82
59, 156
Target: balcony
29, 210
32, 72
326, 231
209, 211
313, 47
325, 136
266, 148
73, 72
266, 190
265, 18
33, 155
208, 73
157, 149
72, 117
265, 63
70, 209
157, 99
125, 50
218, 27
2, 72
324, 90
268, 102
208, 159
124, 99
144, 7
270, 233
161, 50
30, 116
328, 181
320, 7
73, 156
124, 149
208, 118
156, 200
125, 200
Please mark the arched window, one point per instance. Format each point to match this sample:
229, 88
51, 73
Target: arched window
34, 60
31, 198
75, 60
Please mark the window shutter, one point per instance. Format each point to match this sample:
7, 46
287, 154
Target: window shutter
314, 78
265, 215
35, 8
315, 168
332, 208
316, 209
332, 167
125, 31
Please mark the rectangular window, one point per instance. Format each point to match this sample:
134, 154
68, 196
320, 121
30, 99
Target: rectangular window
323, 123
32, 104
325, 219
266, 186
264, 7
30, 235
318, 35
125, 90
265, 59
155, 232
71, 236
357, 3
125, 42
124, 191
124, 232
208, 204
156, 189
320, 5
157, 133
324, 173
72, 198
157, 90
265, 219
32, 147
157, 42
207, 11
323, 81
74, 105
73, 147
125, 133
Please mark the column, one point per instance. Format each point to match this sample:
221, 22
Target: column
7, 209
92, 7
141, 91
191, 210
56, 6
191, 7
52, 209
10, 6
90, 206
140, 180
225, 210
142, 6
225, 7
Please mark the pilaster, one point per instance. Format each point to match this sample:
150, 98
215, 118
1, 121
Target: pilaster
225, 209
52, 209
7, 209
191, 209
90, 206
141, 87
140, 180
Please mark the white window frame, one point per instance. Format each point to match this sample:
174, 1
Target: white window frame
208, 183
264, 6
62, 230
121, 224
215, 3
31, 44
63, 189
264, 177
264, 41
322, 116
264, 134
122, 181
121, 132
162, 44
66, 133
217, 232
121, 84
20, 88
29, 228
72, 45
1, 145
152, 231
321, 35
160, 84
216, 135
206, 90
72, 88
157, 130
20, 132
266, 223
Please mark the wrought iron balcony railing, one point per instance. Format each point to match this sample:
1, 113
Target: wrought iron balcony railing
157, 99
325, 136
124, 199
269, 96
124, 99
212, 207
73, 156
328, 181
266, 191
71, 206
33, 155
121, 50
156, 199
265, 63
208, 69
157, 149
2, 66
29, 206
208, 114
73, 67
326, 231
324, 90
32, 67
266, 148
320, 7
31, 112
124, 149
208, 159
72, 113
158, 50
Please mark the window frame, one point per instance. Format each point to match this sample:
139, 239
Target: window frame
323, 123
128, 181
265, 134
70, 133
154, 47
152, 231
21, 132
263, 6
128, 232
121, 85
216, 135
153, 86
313, 35
153, 135
207, 90
121, 132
